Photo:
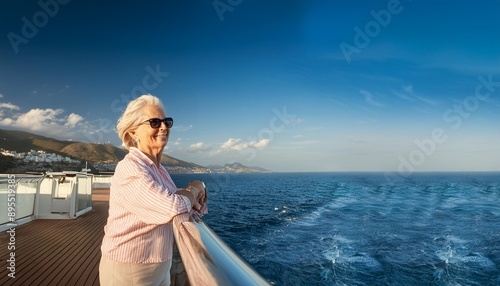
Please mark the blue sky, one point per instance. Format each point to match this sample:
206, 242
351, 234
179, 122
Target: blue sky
399, 86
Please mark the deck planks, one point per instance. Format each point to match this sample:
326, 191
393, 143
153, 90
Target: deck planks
58, 252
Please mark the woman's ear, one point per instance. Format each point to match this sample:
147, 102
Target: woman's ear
133, 135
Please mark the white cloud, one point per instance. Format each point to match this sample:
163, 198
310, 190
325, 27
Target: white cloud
1, 95
48, 122
237, 144
39, 119
182, 127
408, 94
6, 121
230, 143
261, 144
73, 119
426, 100
5, 108
369, 98
8, 105
199, 147
408, 89
403, 96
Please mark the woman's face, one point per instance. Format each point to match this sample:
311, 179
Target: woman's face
151, 138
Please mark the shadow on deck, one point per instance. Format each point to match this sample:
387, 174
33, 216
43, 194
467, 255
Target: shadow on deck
57, 252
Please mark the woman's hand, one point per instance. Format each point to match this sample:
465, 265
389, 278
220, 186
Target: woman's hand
200, 193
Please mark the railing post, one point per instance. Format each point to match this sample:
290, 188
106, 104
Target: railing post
74, 198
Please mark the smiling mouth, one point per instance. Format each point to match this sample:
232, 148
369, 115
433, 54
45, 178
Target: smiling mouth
161, 134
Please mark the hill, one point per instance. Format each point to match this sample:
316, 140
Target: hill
103, 154
236, 168
22, 141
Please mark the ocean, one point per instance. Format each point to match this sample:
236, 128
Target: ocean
360, 228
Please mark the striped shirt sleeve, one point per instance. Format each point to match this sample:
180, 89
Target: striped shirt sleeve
141, 194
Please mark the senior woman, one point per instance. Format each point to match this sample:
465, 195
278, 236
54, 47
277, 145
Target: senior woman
138, 237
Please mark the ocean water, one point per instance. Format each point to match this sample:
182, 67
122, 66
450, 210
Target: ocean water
360, 228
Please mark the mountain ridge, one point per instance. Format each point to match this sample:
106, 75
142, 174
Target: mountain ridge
236, 167
22, 141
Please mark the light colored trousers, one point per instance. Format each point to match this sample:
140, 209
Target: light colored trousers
117, 274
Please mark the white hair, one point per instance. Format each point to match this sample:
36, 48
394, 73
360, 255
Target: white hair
132, 115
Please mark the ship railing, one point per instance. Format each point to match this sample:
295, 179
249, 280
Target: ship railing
53, 195
200, 256
101, 181
206, 259
18, 196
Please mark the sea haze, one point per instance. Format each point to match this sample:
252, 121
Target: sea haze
360, 228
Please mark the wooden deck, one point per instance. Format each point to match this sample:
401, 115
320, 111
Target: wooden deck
58, 252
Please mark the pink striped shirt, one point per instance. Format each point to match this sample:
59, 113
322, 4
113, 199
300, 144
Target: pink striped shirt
141, 207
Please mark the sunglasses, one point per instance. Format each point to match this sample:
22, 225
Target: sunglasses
156, 122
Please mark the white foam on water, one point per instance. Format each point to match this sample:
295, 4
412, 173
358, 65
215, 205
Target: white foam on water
454, 202
332, 254
478, 260
366, 260
313, 218
456, 253
445, 254
341, 251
